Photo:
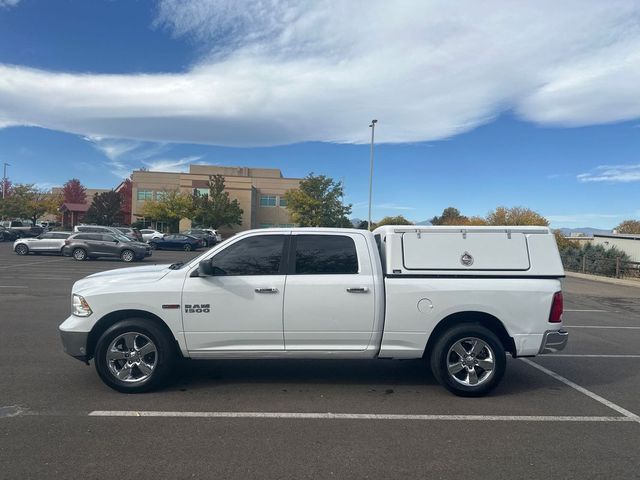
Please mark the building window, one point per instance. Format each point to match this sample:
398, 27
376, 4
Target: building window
267, 200
283, 201
203, 192
266, 225
160, 195
145, 195
286, 225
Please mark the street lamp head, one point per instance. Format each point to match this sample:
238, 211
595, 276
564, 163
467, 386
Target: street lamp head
373, 122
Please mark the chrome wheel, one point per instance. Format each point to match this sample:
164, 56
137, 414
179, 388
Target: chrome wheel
79, 254
22, 249
127, 256
131, 357
187, 247
471, 361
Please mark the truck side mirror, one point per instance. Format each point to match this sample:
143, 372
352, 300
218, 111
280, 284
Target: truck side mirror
205, 268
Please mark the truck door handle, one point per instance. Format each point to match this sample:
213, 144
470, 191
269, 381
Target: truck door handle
357, 289
266, 290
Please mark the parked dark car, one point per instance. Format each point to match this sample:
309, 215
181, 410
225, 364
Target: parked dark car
176, 242
132, 233
23, 229
82, 246
8, 235
208, 240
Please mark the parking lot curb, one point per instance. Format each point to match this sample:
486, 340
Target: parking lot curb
597, 278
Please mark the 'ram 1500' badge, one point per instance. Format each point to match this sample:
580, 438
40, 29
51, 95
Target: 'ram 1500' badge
466, 259
197, 308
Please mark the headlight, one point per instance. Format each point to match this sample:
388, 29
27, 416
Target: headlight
80, 307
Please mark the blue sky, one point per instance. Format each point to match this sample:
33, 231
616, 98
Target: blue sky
476, 108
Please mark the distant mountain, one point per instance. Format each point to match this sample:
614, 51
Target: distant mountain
588, 231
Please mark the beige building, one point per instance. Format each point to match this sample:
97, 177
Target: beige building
260, 192
629, 244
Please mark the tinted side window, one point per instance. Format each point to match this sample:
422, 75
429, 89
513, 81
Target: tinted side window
325, 254
60, 235
107, 238
47, 236
260, 255
82, 236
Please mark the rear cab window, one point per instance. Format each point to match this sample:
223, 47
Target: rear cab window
324, 255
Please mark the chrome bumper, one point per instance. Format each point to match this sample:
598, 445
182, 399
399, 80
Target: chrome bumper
75, 344
554, 341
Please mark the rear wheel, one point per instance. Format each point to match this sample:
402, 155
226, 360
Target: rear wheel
134, 356
22, 249
187, 247
153, 245
127, 256
468, 360
79, 254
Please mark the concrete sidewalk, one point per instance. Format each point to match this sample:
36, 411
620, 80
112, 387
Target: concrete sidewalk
598, 278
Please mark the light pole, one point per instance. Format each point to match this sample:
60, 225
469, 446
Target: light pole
4, 180
373, 129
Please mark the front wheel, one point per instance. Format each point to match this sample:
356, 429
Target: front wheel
134, 356
127, 256
153, 245
22, 249
468, 360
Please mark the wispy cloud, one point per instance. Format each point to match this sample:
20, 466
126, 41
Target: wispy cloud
171, 165
612, 174
585, 218
284, 71
393, 206
8, 3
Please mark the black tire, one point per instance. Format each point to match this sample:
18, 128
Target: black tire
22, 249
127, 256
187, 247
79, 254
2, 237
443, 355
163, 359
153, 245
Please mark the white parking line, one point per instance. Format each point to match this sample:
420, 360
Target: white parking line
358, 416
585, 310
13, 286
601, 326
584, 391
20, 265
572, 355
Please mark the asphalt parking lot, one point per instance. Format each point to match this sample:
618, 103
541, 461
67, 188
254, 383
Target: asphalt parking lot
571, 415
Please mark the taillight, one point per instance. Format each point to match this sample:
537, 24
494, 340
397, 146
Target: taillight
556, 308
67, 242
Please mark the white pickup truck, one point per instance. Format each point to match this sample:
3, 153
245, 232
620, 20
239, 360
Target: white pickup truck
461, 297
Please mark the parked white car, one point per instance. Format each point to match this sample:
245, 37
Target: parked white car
214, 233
150, 234
50, 242
460, 296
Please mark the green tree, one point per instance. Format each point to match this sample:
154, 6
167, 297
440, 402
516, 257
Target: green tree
629, 227
318, 203
216, 209
516, 216
563, 242
172, 207
450, 216
28, 201
105, 209
397, 220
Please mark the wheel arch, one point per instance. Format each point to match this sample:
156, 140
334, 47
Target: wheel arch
482, 318
110, 319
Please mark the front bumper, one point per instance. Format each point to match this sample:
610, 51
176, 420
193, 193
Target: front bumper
75, 344
553, 341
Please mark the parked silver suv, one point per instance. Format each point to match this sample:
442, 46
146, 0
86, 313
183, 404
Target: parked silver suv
50, 242
82, 246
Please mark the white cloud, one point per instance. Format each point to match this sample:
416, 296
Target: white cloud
612, 174
8, 3
171, 165
283, 71
393, 206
